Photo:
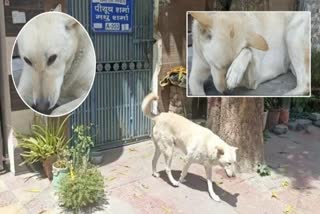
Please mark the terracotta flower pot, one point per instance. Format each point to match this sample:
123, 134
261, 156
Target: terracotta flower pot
47, 167
284, 116
273, 118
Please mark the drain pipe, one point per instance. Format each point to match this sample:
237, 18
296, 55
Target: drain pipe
157, 55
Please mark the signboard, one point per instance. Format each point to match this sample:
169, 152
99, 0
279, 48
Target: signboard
111, 16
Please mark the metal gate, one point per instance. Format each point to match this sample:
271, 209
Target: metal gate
123, 78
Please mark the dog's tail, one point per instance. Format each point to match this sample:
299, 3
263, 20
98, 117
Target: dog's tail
146, 105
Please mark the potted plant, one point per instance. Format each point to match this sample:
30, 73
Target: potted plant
284, 111
96, 157
60, 168
45, 142
273, 106
83, 186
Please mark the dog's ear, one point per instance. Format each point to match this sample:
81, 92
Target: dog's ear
257, 41
220, 150
58, 8
71, 24
203, 18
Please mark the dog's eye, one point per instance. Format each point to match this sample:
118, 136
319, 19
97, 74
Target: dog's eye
51, 59
27, 61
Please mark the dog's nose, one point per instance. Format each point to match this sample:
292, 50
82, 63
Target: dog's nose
42, 105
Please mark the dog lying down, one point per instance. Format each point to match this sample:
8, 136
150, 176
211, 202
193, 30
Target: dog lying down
199, 145
59, 63
246, 49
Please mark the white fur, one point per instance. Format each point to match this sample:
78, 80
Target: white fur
199, 145
65, 82
232, 62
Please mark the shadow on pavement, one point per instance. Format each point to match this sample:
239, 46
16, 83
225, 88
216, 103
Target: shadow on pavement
199, 183
296, 155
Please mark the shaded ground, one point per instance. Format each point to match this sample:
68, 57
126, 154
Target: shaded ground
274, 87
294, 158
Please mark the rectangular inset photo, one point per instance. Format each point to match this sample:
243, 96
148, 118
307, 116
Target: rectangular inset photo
248, 54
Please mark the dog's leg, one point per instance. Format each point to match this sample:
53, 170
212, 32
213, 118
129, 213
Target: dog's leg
299, 54
219, 79
212, 194
155, 161
238, 68
168, 159
200, 71
185, 170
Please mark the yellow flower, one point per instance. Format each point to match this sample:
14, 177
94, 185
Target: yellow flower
71, 173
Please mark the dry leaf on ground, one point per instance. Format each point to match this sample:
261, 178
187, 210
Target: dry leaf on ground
285, 184
33, 190
274, 195
166, 209
111, 178
289, 209
144, 186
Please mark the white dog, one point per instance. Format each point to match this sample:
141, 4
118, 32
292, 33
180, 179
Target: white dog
198, 143
59, 63
246, 49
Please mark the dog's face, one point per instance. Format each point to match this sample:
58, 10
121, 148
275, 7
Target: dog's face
227, 159
47, 45
222, 37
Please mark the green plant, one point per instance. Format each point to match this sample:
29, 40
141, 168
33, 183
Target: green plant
163, 3
62, 159
300, 104
263, 170
84, 185
45, 141
80, 151
285, 102
315, 69
266, 135
81, 189
271, 103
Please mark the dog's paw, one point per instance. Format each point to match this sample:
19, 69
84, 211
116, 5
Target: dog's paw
216, 198
182, 180
233, 77
175, 183
156, 174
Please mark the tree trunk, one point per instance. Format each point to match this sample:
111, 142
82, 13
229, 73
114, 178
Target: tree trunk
214, 107
241, 125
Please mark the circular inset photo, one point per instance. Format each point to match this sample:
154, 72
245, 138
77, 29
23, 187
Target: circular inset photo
55, 64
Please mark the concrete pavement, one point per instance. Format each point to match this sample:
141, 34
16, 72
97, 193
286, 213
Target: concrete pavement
293, 187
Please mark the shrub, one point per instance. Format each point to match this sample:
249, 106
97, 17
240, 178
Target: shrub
271, 103
82, 189
80, 151
84, 185
44, 142
263, 170
315, 69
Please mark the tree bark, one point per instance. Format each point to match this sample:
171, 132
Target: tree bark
214, 111
241, 125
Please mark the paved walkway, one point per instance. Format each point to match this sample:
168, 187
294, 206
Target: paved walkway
295, 184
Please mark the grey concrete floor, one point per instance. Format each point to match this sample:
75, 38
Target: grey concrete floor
17, 65
274, 87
